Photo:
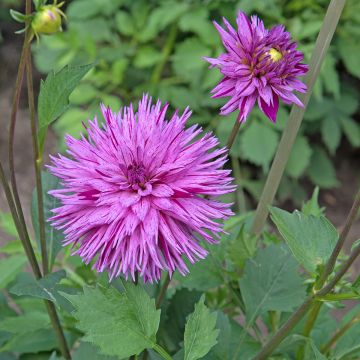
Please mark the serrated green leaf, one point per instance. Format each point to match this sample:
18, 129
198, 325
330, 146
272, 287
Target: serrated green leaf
351, 130
25, 323
279, 286
44, 288
147, 56
54, 95
258, 144
124, 23
349, 47
187, 60
204, 274
241, 248
9, 268
181, 304
121, 324
321, 170
331, 133
53, 237
32, 342
311, 239
90, 352
311, 207
299, 158
200, 333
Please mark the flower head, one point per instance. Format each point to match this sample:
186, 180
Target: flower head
258, 65
140, 191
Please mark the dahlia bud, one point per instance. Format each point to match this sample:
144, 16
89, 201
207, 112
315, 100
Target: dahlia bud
47, 20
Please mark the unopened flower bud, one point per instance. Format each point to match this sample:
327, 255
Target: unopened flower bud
47, 20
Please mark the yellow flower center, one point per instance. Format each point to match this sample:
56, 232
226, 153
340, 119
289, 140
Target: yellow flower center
275, 55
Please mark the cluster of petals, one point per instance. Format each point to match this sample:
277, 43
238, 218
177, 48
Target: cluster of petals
259, 65
140, 193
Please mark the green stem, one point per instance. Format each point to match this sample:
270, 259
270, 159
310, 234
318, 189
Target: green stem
339, 334
314, 312
37, 165
344, 233
163, 289
233, 133
162, 352
239, 190
296, 116
169, 44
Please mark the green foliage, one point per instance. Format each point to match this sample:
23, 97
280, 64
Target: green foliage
47, 288
28, 322
157, 47
119, 323
9, 268
279, 286
53, 236
54, 95
200, 333
310, 238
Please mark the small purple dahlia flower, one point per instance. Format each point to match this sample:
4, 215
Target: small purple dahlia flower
258, 64
139, 192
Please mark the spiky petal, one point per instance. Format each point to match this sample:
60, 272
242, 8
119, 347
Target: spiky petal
259, 65
140, 192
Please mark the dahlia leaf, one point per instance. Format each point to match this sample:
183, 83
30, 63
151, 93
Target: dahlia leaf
119, 323
180, 306
352, 130
31, 342
259, 143
321, 170
45, 288
200, 332
331, 133
54, 95
53, 236
299, 158
25, 323
279, 287
310, 238
9, 268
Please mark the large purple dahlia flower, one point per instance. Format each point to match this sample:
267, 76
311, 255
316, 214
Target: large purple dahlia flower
258, 65
140, 191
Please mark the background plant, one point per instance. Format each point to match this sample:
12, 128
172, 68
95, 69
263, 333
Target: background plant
157, 47
231, 304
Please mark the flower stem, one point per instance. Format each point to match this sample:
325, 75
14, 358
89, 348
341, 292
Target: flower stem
166, 51
162, 352
233, 133
340, 333
296, 116
162, 292
37, 165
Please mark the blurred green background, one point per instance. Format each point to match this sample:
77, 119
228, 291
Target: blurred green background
156, 47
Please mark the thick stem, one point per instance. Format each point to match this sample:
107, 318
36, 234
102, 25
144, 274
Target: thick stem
162, 292
37, 165
296, 116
